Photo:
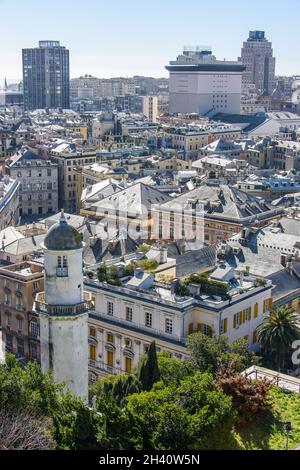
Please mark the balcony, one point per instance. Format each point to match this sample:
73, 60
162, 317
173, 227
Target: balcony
41, 307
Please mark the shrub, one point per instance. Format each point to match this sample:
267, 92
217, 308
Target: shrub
144, 248
249, 397
148, 264
182, 289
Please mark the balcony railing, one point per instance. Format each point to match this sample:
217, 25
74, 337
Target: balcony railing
41, 306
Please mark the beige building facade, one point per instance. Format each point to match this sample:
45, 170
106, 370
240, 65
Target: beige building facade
20, 331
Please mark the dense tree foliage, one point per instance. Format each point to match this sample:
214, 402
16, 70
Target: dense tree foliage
28, 390
206, 353
108, 274
166, 404
148, 371
177, 417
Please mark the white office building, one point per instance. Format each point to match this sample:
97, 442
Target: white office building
199, 83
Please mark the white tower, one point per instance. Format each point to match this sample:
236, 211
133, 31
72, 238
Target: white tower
63, 309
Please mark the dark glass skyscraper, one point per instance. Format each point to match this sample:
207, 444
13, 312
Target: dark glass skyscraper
46, 76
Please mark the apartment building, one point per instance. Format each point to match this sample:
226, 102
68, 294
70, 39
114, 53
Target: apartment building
210, 214
275, 153
190, 140
38, 194
68, 166
9, 200
19, 325
126, 319
128, 212
150, 108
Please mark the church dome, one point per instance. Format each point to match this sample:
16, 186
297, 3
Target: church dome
63, 237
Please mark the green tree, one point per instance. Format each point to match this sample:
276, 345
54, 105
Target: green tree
102, 272
179, 416
144, 248
182, 289
28, 390
206, 352
278, 332
149, 372
172, 431
148, 265
121, 430
173, 369
129, 269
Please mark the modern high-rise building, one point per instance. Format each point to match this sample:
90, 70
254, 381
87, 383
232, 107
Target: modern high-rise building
46, 76
257, 57
150, 108
199, 83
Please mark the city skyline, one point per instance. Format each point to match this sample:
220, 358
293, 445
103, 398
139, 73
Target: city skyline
149, 37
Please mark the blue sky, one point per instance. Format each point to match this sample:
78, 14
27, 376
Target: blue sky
124, 38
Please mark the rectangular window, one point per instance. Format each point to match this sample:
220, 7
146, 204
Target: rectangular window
8, 319
110, 308
33, 351
92, 352
20, 347
206, 330
36, 285
9, 343
254, 339
169, 325
93, 332
248, 313
110, 338
110, 358
148, 319
128, 365
224, 326
20, 324
34, 328
62, 266
129, 313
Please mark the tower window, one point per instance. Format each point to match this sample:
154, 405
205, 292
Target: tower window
62, 266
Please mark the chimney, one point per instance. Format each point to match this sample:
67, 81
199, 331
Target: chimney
138, 272
163, 256
173, 286
195, 289
283, 260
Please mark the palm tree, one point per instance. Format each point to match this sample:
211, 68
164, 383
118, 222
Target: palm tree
278, 332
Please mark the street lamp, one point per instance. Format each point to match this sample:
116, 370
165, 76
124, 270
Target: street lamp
288, 429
